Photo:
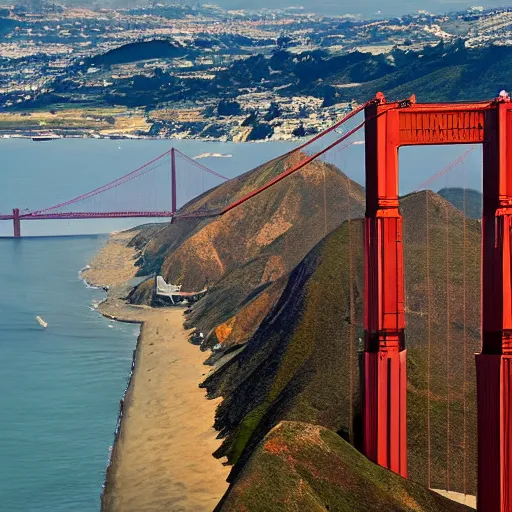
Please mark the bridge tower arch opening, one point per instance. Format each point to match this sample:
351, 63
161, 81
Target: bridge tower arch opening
390, 126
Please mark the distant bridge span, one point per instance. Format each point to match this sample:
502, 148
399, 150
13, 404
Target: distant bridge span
113, 200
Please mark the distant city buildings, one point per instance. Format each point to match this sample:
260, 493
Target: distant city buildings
52, 50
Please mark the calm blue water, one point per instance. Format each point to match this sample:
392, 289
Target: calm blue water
61, 385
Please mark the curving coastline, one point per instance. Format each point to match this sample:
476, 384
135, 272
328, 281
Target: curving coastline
162, 454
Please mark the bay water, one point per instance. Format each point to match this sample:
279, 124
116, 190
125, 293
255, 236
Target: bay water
60, 386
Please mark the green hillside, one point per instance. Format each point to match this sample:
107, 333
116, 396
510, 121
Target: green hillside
283, 475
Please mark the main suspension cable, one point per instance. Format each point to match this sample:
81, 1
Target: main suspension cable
292, 170
115, 183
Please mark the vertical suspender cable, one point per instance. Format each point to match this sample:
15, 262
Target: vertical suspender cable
427, 238
352, 336
448, 452
464, 341
325, 204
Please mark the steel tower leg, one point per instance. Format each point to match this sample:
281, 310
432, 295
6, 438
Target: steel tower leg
173, 181
494, 364
16, 222
385, 378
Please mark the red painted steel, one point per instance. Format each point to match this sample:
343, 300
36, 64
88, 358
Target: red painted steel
389, 126
342, 121
292, 170
494, 374
113, 184
95, 215
307, 160
441, 127
173, 181
384, 407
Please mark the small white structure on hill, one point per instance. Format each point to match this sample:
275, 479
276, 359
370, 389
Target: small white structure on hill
173, 292
167, 290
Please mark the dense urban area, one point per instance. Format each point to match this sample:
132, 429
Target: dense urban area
200, 71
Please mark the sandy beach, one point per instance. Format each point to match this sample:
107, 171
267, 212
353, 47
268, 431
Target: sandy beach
114, 264
162, 460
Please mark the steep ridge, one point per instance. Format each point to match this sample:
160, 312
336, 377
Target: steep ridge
296, 317
242, 255
299, 364
285, 469
302, 363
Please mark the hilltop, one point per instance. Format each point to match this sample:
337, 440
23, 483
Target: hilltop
284, 468
242, 255
465, 200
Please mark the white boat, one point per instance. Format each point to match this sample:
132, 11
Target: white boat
42, 323
212, 155
45, 136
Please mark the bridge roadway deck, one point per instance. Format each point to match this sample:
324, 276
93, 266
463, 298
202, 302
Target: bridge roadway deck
87, 215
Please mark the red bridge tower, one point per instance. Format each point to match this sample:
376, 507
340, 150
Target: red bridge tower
388, 127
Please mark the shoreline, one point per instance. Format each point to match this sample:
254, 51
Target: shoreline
5, 135
161, 458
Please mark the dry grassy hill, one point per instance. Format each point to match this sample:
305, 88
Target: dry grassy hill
242, 255
286, 292
299, 466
